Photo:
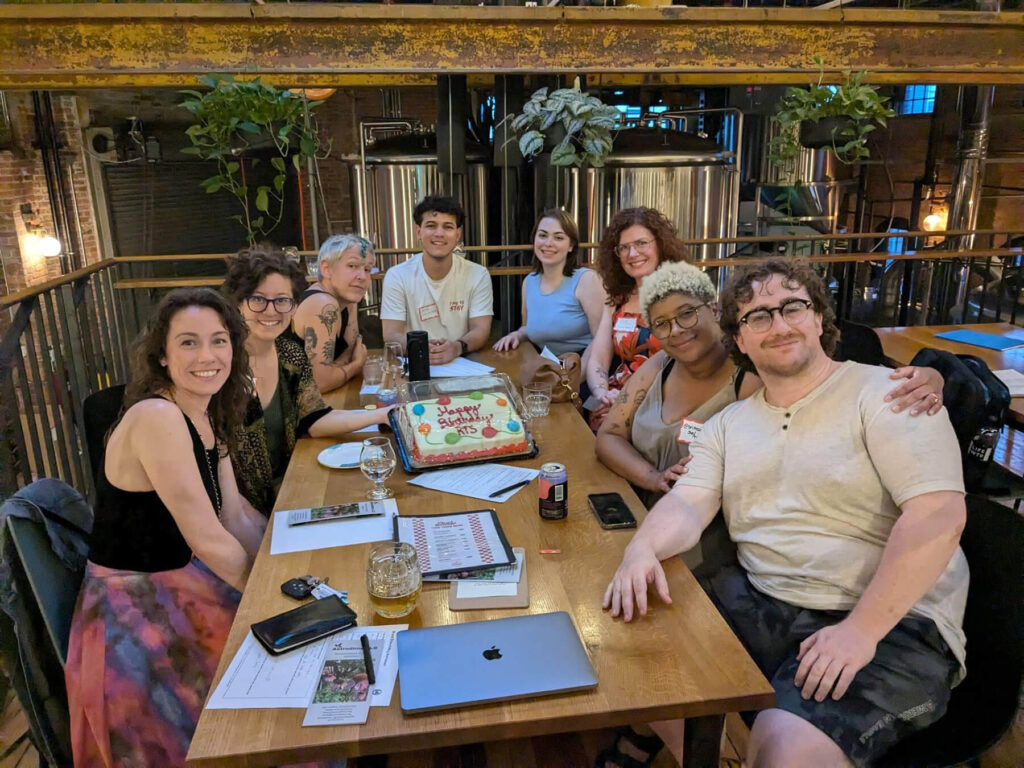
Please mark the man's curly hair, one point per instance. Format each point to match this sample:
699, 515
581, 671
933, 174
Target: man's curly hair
617, 283
795, 273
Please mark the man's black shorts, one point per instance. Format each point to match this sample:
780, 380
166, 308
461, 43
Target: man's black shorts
903, 689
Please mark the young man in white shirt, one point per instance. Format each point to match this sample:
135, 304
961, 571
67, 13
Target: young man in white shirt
850, 588
449, 297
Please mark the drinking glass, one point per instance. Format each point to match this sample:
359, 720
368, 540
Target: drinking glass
393, 579
537, 398
377, 461
373, 368
393, 354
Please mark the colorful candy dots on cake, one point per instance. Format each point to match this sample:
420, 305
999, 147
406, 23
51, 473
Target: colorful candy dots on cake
418, 409
444, 400
423, 429
476, 395
451, 438
501, 402
513, 425
488, 432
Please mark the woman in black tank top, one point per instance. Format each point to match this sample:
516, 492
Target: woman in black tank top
171, 545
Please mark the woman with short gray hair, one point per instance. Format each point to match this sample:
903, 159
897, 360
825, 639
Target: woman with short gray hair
326, 321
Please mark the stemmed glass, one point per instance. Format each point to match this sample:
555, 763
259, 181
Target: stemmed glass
377, 462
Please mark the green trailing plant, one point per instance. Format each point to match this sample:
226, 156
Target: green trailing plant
236, 117
586, 121
857, 108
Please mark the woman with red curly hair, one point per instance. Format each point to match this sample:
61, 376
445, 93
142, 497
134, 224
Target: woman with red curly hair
635, 242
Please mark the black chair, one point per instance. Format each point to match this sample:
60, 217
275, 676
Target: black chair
984, 705
859, 343
99, 411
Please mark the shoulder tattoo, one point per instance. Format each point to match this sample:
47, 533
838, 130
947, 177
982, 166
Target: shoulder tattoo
329, 316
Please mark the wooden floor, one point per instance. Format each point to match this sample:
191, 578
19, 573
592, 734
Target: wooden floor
577, 750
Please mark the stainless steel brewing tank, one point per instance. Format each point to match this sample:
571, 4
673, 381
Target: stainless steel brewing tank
690, 179
397, 172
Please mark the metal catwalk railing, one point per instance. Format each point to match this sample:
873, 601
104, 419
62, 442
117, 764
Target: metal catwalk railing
70, 337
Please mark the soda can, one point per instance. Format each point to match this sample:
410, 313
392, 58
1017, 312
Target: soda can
553, 484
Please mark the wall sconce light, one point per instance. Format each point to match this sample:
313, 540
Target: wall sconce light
45, 245
936, 219
50, 246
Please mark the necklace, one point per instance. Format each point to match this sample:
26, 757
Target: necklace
213, 479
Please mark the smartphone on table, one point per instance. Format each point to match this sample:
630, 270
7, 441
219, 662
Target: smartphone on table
611, 511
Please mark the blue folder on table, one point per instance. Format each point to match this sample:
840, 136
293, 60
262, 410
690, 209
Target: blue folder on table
979, 339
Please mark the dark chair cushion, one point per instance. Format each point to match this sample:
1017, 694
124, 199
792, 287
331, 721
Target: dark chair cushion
859, 343
100, 410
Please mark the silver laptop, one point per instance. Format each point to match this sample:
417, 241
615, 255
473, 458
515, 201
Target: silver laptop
480, 661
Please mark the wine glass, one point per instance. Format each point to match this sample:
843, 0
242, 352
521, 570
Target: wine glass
377, 461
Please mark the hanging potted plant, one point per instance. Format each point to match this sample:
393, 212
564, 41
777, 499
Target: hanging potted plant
575, 127
238, 117
838, 118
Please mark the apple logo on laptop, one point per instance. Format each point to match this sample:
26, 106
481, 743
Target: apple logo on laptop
492, 653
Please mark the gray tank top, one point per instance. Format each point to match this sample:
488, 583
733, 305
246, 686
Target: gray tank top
657, 441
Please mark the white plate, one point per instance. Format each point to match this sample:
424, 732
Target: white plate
341, 456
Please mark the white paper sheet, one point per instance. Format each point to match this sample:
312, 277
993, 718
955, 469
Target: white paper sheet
257, 680
345, 694
460, 366
477, 481
369, 389
485, 589
1014, 381
332, 533
371, 428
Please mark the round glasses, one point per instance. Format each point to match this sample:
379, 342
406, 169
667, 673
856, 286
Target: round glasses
793, 312
640, 245
685, 318
282, 304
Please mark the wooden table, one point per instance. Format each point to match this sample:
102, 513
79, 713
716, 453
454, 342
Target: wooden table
902, 343
682, 660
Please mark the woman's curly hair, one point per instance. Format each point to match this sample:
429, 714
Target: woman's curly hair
617, 283
795, 273
149, 375
251, 266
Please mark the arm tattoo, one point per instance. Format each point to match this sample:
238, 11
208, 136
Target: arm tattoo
328, 316
328, 352
622, 398
640, 395
309, 336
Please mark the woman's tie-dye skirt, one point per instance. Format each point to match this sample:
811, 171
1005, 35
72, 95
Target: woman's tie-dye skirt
143, 650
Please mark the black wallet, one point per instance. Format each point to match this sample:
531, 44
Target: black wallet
304, 624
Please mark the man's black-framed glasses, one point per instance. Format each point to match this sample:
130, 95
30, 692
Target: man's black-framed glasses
793, 311
282, 304
685, 318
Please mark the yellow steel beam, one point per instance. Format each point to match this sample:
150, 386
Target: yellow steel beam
103, 45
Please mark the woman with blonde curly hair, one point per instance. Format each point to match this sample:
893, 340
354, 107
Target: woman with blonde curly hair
635, 243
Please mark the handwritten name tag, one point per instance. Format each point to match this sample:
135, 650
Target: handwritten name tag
625, 324
429, 312
689, 431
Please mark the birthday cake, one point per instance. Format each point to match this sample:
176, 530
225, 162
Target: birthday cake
476, 425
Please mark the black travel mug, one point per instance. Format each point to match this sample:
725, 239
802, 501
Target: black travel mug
417, 347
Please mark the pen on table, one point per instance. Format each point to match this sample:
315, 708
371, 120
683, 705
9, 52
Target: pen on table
371, 678
505, 490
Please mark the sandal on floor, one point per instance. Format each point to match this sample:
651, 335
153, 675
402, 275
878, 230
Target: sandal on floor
650, 745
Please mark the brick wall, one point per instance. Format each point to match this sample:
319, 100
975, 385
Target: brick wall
23, 181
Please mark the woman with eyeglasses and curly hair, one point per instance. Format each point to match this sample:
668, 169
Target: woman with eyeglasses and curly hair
286, 403
635, 243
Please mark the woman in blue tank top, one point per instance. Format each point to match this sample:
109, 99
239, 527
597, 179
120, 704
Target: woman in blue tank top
562, 301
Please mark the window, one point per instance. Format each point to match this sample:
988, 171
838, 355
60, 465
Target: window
917, 100
895, 244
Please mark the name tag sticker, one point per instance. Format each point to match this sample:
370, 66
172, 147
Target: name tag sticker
625, 324
428, 312
689, 431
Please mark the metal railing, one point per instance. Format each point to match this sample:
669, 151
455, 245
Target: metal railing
67, 338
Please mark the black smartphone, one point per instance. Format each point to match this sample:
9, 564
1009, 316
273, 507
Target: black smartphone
611, 510
304, 624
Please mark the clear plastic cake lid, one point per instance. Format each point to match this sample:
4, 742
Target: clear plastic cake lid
415, 391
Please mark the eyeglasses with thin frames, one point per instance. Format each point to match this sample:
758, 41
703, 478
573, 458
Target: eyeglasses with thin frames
282, 304
793, 311
641, 245
685, 318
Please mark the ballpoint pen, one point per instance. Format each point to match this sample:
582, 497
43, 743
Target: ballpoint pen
371, 678
505, 490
